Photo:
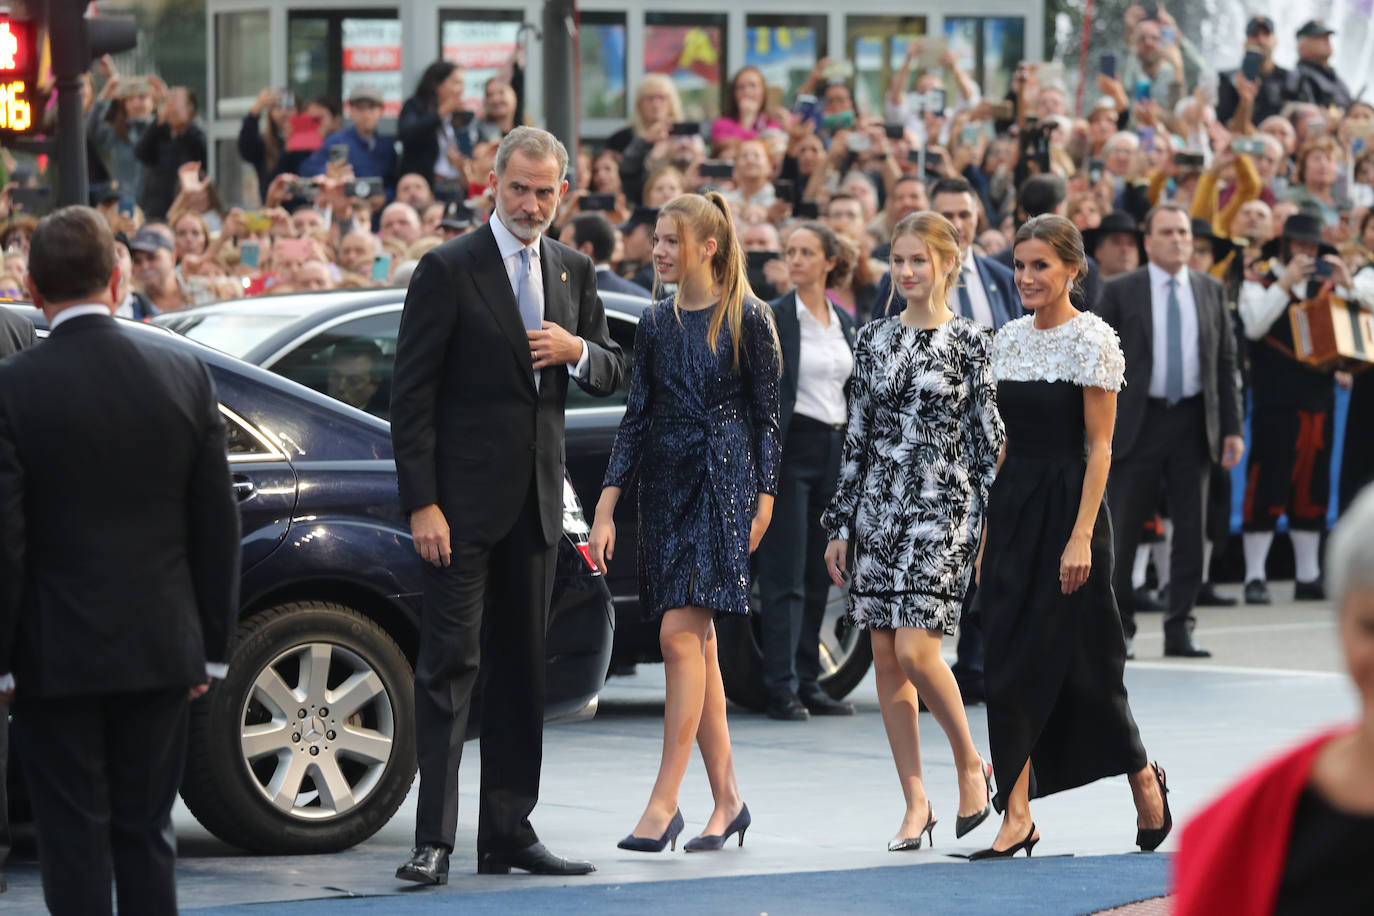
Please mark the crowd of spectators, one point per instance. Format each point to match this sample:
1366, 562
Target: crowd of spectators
341, 204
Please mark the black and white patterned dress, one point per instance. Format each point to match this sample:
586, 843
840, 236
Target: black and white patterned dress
919, 454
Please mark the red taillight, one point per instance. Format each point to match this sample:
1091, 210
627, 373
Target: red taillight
586, 551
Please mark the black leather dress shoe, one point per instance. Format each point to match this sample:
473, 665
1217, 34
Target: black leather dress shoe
820, 703
1309, 591
787, 707
535, 859
1207, 596
1256, 592
1185, 648
427, 865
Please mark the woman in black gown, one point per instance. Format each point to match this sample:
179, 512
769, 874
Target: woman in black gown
702, 424
1057, 711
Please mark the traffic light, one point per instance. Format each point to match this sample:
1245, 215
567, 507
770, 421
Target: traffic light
18, 75
77, 40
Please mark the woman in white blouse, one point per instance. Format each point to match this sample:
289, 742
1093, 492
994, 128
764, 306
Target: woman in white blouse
817, 360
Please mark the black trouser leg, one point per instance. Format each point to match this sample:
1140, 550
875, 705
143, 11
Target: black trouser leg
4, 790
145, 746
62, 743
1186, 471
781, 572
816, 578
1132, 494
522, 568
445, 674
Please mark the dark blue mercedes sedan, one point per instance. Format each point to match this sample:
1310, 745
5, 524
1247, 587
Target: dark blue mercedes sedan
308, 745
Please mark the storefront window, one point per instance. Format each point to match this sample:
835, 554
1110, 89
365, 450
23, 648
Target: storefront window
601, 47
691, 50
481, 42
876, 45
330, 53
785, 49
372, 57
989, 49
243, 70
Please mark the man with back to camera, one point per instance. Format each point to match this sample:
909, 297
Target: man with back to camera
593, 235
495, 323
118, 587
16, 333
1179, 412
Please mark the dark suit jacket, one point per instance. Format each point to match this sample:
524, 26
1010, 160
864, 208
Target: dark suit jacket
418, 131
998, 282
789, 336
1092, 283
119, 531
469, 428
16, 332
1126, 307
610, 281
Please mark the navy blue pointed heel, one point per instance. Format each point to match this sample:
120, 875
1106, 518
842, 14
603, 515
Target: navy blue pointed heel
648, 844
716, 841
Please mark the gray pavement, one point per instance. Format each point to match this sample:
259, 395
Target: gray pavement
823, 794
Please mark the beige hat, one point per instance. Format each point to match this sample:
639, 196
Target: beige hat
366, 94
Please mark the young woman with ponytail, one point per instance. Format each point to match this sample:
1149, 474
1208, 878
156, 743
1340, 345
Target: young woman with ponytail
701, 424
919, 455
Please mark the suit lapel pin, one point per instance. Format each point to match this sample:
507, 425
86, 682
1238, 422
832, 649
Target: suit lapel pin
564, 277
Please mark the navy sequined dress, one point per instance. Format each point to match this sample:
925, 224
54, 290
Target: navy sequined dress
704, 439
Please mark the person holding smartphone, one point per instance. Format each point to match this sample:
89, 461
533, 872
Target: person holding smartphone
920, 451
264, 135
745, 111
165, 147
1254, 90
431, 128
122, 111
370, 153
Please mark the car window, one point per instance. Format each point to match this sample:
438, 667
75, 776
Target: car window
352, 362
228, 332
622, 332
244, 444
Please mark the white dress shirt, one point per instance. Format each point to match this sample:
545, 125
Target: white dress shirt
1187, 308
977, 295
824, 364
212, 669
1261, 306
510, 246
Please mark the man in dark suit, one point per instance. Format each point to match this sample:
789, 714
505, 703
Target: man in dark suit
1179, 412
118, 575
495, 324
593, 235
16, 333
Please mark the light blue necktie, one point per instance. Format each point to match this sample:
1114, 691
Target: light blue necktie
1173, 369
965, 302
524, 295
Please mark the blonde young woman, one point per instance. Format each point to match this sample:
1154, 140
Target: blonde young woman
919, 455
702, 423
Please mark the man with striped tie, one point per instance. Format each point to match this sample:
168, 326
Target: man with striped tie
1179, 412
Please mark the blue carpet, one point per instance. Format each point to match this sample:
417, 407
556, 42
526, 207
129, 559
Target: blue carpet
1051, 885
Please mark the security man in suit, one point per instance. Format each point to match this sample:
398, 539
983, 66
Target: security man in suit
118, 575
495, 323
593, 235
16, 333
1179, 412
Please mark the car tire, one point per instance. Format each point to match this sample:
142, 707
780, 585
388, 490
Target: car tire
741, 658
261, 777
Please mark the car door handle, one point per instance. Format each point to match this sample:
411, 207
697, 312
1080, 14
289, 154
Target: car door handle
243, 488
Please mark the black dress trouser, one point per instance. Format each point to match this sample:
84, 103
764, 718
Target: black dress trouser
793, 582
103, 771
1171, 446
490, 602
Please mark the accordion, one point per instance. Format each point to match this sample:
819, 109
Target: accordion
1330, 333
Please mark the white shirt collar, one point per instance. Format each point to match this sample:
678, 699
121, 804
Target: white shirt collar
969, 263
77, 311
1159, 276
603, 268
507, 243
